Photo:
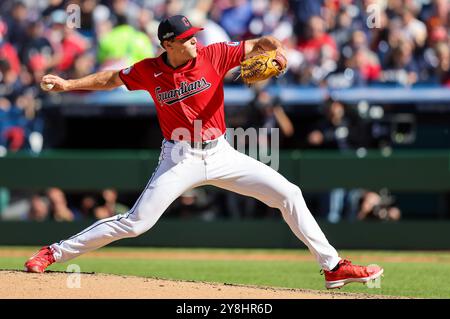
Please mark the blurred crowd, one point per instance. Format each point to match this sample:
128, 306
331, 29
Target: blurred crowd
334, 43
54, 204
207, 204
339, 128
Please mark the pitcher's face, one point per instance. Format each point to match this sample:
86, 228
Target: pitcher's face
186, 48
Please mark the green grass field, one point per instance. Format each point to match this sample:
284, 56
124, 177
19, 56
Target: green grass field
410, 274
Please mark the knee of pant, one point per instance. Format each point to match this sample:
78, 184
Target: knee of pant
137, 228
292, 194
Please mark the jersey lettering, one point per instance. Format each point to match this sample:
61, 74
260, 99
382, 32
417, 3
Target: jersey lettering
185, 90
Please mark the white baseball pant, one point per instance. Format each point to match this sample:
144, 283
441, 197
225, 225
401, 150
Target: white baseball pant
181, 168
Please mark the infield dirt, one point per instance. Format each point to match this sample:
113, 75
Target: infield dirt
19, 284
54, 285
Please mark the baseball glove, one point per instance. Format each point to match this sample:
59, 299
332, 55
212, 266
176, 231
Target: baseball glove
263, 66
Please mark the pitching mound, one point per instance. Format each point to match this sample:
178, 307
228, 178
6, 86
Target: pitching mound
19, 284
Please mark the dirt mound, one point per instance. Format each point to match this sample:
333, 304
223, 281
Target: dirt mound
175, 254
57, 285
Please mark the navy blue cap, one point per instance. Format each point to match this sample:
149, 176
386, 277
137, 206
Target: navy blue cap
177, 27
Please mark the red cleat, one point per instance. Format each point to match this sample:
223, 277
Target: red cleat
347, 272
40, 261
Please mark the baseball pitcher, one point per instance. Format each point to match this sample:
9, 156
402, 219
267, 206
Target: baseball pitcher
186, 84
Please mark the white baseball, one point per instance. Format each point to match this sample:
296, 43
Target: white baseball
47, 86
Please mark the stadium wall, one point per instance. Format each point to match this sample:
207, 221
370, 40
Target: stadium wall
409, 235
403, 170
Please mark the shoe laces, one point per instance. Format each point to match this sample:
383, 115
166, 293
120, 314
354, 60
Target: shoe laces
48, 254
345, 262
358, 269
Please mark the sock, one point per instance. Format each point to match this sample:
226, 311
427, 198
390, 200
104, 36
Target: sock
335, 268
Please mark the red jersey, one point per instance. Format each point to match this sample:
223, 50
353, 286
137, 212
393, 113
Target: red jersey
191, 92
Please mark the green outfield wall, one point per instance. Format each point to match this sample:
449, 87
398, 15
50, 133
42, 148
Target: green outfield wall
418, 235
407, 170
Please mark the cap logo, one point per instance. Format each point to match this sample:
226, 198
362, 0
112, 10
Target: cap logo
168, 35
127, 70
186, 22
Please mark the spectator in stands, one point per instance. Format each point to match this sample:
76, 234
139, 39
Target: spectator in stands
266, 112
368, 15
36, 68
7, 50
363, 63
212, 32
412, 28
394, 8
103, 23
123, 46
401, 67
173, 7
270, 17
380, 206
12, 126
4, 199
53, 5
303, 10
17, 24
39, 209
197, 203
343, 29
147, 23
379, 36
15, 138
410, 44
31, 121
238, 206
443, 66
236, 18
109, 205
28, 28
49, 206
333, 132
88, 204
10, 85
436, 13
124, 12
37, 46
83, 65
66, 41
87, 20
319, 51
336, 132
5, 107
59, 209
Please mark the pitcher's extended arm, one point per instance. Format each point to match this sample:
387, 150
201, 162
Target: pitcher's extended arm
104, 80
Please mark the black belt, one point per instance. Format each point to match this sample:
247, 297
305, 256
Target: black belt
199, 145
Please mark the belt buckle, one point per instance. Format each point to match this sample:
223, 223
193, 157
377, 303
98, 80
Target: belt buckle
203, 145
206, 145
